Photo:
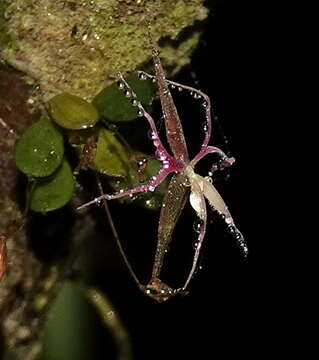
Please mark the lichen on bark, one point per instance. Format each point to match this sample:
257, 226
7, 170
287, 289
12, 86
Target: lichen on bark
80, 46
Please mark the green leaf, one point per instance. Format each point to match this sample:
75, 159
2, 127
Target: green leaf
40, 149
54, 191
111, 157
115, 106
72, 112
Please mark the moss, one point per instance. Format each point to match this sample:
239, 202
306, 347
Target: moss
4, 36
80, 46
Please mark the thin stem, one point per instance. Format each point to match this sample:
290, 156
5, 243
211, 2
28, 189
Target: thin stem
111, 320
116, 235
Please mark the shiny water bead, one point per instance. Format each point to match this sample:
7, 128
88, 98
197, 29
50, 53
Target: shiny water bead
120, 85
134, 102
160, 155
166, 164
151, 135
141, 162
205, 126
198, 224
142, 76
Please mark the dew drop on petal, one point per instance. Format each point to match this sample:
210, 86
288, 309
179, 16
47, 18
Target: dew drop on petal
205, 126
142, 76
239, 237
151, 135
198, 224
195, 244
134, 102
160, 155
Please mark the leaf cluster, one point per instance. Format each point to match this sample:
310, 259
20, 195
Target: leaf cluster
42, 150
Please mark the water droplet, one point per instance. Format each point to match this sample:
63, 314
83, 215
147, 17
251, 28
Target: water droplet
141, 162
180, 88
98, 201
186, 182
198, 224
134, 102
120, 85
142, 76
205, 126
197, 96
172, 86
239, 237
128, 93
140, 112
153, 79
160, 155
195, 244
204, 104
151, 135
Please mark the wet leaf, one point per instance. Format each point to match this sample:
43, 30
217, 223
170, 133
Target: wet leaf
72, 112
115, 106
54, 191
111, 156
40, 149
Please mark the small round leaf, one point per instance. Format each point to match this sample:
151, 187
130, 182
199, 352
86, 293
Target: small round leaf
112, 103
72, 112
54, 191
40, 149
